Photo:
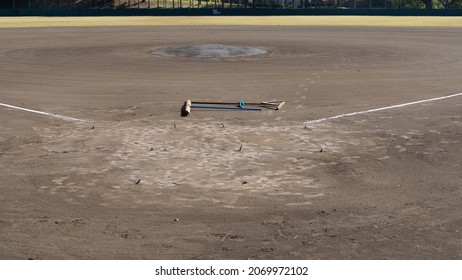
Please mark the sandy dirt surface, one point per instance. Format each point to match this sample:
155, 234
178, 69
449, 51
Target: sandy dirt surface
137, 181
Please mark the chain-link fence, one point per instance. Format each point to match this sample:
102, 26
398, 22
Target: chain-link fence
278, 4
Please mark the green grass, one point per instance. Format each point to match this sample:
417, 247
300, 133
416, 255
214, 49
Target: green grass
26, 22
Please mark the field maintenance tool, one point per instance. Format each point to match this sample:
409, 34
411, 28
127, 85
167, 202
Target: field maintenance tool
273, 105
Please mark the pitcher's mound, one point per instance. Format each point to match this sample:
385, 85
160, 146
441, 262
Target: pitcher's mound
209, 51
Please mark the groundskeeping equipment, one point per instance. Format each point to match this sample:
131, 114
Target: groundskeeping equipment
210, 105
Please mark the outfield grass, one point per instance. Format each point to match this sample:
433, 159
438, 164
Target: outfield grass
17, 22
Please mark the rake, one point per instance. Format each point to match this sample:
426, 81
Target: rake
273, 105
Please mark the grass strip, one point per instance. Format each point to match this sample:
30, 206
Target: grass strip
401, 21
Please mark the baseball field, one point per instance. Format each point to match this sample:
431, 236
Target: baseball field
363, 161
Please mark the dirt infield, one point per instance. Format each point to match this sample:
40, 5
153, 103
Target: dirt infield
134, 180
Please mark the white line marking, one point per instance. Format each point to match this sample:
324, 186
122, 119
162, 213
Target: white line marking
43, 113
381, 109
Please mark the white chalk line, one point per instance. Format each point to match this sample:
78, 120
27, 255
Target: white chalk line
64, 118
381, 109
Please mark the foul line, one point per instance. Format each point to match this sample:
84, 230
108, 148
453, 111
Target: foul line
64, 118
381, 109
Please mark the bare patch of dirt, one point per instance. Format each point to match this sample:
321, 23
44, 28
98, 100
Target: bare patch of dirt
137, 181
